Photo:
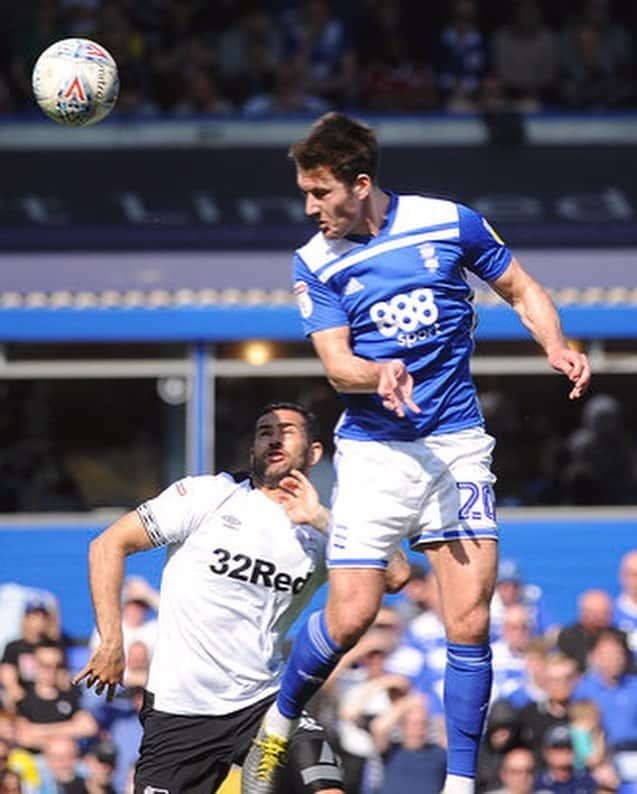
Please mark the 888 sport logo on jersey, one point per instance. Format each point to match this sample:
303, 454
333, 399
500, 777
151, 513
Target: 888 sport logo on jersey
410, 317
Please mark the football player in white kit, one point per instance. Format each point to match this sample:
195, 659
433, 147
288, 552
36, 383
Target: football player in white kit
243, 559
384, 297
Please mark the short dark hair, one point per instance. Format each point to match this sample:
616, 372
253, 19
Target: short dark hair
346, 146
311, 424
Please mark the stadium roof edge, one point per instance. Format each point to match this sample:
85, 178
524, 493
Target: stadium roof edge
239, 322
18, 133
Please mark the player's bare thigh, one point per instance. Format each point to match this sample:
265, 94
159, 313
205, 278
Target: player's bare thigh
466, 572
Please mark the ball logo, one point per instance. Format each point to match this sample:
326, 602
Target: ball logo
406, 313
75, 91
95, 51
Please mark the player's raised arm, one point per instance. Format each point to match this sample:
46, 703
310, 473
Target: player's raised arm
537, 312
107, 555
349, 373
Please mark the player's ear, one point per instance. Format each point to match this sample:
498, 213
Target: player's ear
362, 186
316, 453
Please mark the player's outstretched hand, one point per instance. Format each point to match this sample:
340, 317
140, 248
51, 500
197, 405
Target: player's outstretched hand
301, 500
395, 386
575, 366
105, 670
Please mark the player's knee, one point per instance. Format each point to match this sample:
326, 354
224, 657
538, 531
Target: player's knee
347, 623
469, 626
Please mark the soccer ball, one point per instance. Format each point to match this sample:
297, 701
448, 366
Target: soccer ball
75, 82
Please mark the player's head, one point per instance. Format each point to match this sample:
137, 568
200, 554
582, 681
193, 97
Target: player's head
285, 438
336, 167
346, 146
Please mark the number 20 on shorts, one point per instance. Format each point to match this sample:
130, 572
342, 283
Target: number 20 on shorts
476, 501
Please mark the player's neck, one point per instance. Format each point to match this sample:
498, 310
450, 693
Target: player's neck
272, 491
275, 494
376, 208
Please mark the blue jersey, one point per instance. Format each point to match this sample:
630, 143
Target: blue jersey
404, 294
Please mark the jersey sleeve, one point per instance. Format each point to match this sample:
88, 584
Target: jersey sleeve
320, 308
178, 511
485, 253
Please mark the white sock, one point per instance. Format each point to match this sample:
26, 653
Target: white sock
456, 784
277, 724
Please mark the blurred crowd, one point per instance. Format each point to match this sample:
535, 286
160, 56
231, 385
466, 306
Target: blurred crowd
111, 455
289, 56
562, 718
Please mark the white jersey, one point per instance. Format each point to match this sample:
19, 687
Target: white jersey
237, 574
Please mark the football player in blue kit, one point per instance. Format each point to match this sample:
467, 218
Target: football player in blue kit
384, 297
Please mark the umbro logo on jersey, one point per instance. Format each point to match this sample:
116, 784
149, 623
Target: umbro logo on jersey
230, 522
352, 286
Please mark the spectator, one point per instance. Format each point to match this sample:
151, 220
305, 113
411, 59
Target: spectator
612, 40
517, 772
502, 412
289, 94
10, 782
392, 77
137, 664
530, 688
29, 36
587, 83
602, 458
608, 684
410, 761
131, 51
460, 59
318, 38
559, 774
526, 57
249, 54
15, 758
559, 679
509, 652
512, 589
625, 605
138, 624
587, 734
381, 35
425, 635
363, 701
203, 96
125, 731
17, 670
60, 767
594, 613
100, 762
48, 710
502, 733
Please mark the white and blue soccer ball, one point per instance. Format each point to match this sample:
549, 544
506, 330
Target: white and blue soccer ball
75, 82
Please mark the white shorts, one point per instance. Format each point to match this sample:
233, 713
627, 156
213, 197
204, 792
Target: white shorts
434, 489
